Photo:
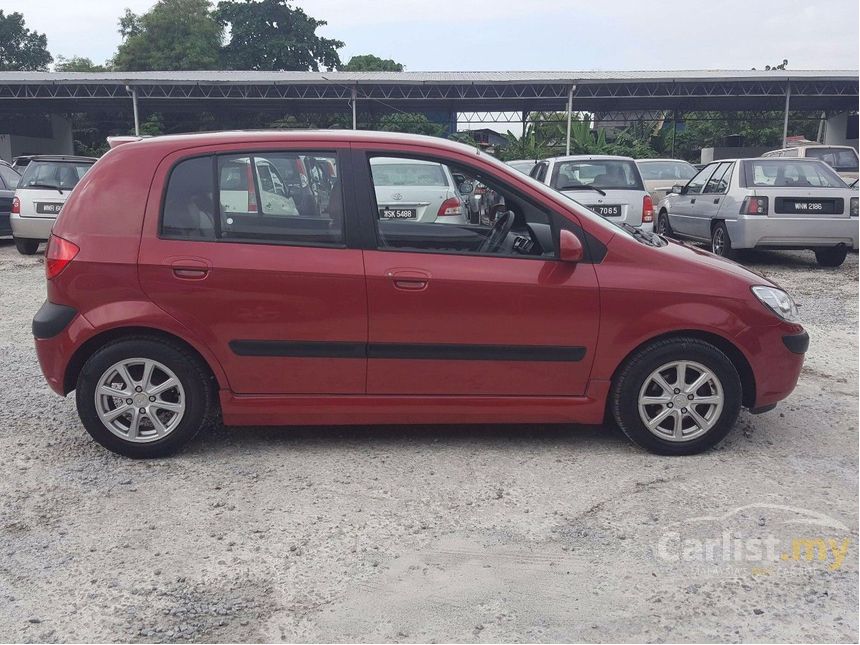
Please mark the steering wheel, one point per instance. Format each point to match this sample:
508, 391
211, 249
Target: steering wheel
502, 226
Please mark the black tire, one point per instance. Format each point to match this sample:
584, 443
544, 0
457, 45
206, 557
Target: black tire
664, 227
194, 376
832, 257
624, 396
25, 246
721, 243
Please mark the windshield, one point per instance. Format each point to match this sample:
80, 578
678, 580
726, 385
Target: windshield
844, 159
668, 170
55, 174
407, 174
606, 174
522, 166
785, 173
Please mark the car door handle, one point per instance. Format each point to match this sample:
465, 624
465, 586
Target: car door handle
717, 200
693, 200
190, 269
408, 279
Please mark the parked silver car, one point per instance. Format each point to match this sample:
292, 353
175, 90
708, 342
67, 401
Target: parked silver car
523, 165
765, 203
611, 186
41, 193
843, 159
421, 191
660, 175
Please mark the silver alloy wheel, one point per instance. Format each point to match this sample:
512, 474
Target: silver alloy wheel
718, 243
140, 400
661, 224
681, 401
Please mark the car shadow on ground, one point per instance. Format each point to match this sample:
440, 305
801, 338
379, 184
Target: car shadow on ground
222, 439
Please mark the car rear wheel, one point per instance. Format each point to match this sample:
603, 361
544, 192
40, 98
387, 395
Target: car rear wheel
832, 257
143, 397
25, 246
678, 396
663, 225
721, 244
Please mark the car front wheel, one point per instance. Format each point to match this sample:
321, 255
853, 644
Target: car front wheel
25, 246
832, 257
677, 396
143, 397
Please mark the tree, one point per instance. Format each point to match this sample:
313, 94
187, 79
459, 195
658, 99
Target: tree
271, 35
77, 64
173, 35
527, 146
20, 48
371, 63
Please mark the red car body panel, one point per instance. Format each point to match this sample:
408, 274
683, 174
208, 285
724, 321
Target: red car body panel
125, 276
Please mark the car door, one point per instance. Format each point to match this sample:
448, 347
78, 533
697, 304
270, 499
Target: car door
708, 205
685, 214
448, 318
279, 298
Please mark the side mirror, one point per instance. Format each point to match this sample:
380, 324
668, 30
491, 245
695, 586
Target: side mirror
570, 248
678, 189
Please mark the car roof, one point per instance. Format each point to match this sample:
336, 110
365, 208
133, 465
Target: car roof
813, 145
69, 158
675, 160
591, 158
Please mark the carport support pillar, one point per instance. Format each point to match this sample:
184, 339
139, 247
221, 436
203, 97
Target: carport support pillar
354, 109
785, 119
569, 116
136, 114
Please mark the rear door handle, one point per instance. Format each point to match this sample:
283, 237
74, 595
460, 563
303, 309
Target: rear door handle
189, 269
717, 200
693, 200
408, 279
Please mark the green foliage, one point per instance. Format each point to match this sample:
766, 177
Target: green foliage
371, 63
20, 48
464, 138
410, 122
77, 64
271, 35
153, 126
527, 146
173, 35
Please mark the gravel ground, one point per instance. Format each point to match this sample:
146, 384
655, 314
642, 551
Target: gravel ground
474, 533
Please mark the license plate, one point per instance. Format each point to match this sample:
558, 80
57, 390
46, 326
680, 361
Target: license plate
606, 211
48, 208
398, 213
807, 206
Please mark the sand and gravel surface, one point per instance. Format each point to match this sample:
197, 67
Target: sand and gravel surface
470, 533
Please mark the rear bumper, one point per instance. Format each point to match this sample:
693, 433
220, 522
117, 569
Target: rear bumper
59, 331
792, 232
32, 228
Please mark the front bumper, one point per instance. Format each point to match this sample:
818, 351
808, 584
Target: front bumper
32, 228
749, 232
776, 361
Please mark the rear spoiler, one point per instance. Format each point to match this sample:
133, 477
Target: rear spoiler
113, 142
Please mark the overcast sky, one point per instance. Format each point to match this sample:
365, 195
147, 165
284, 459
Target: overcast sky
529, 34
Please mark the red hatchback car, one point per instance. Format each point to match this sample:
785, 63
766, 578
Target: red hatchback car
255, 275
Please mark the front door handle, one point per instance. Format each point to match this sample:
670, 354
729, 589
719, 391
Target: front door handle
716, 200
408, 279
693, 200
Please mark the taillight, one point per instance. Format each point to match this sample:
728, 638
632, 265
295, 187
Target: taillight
16, 206
754, 206
450, 208
647, 209
58, 255
252, 191
855, 210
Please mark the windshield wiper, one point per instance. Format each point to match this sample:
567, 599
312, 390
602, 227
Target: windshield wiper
581, 186
648, 238
54, 186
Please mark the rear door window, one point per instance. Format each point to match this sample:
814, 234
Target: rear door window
266, 197
10, 177
719, 181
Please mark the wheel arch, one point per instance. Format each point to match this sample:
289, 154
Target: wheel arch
91, 346
735, 355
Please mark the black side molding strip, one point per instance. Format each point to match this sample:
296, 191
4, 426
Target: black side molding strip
462, 352
51, 319
797, 343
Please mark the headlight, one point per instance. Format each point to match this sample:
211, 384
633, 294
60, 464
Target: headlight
777, 301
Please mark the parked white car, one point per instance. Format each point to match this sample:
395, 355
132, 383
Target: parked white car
41, 193
523, 165
764, 203
414, 190
843, 159
659, 175
609, 185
